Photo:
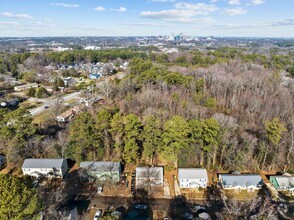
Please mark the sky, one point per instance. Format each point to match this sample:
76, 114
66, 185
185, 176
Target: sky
227, 18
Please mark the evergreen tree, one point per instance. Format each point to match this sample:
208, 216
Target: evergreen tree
274, 130
131, 151
175, 137
31, 92
84, 140
103, 127
152, 137
41, 93
210, 136
117, 131
17, 200
133, 131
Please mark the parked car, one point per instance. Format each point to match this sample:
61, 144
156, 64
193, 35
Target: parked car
140, 206
100, 189
187, 216
35, 183
98, 214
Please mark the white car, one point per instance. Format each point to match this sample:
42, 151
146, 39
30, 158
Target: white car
100, 189
98, 214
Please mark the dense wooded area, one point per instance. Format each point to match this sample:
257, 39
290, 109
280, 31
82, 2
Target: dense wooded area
226, 109
222, 109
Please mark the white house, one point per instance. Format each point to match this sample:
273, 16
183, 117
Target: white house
2, 160
55, 168
102, 170
149, 176
248, 182
25, 87
283, 183
192, 178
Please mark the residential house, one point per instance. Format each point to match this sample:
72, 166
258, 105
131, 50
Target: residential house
192, 178
283, 183
70, 215
101, 170
2, 160
65, 116
69, 114
69, 81
55, 168
248, 182
94, 75
25, 87
149, 176
12, 103
93, 101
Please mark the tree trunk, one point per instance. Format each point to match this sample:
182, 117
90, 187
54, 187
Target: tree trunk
290, 151
214, 156
201, 158
265, 155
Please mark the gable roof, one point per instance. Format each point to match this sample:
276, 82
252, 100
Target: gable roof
101, 166
27, 85
149, 172
240, 180
43, 163
285, 181
192, 173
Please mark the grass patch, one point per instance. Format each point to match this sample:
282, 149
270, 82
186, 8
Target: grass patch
41, 118
241, 195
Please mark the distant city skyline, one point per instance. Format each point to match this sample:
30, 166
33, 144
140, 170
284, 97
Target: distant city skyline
227, 18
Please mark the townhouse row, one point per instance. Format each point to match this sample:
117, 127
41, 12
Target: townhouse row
188, 178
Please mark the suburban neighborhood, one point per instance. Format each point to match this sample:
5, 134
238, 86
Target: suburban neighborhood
169, 127
109, 177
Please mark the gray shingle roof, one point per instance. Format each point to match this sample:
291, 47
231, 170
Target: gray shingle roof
285, 181
101, 166
43, 163
192, 173
240, 180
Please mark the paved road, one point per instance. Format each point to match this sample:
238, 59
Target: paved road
175, 206
156, 204
42, 108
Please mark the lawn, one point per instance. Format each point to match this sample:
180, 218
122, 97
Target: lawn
241, 195
41, 118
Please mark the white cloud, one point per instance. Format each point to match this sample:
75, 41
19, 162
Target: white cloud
18, 16
214, 1
234, 11
8, 23
258, 2
99, 8
120, 9
234, 2
183, 13
65, 5
286, 22
199, 8
279, 23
